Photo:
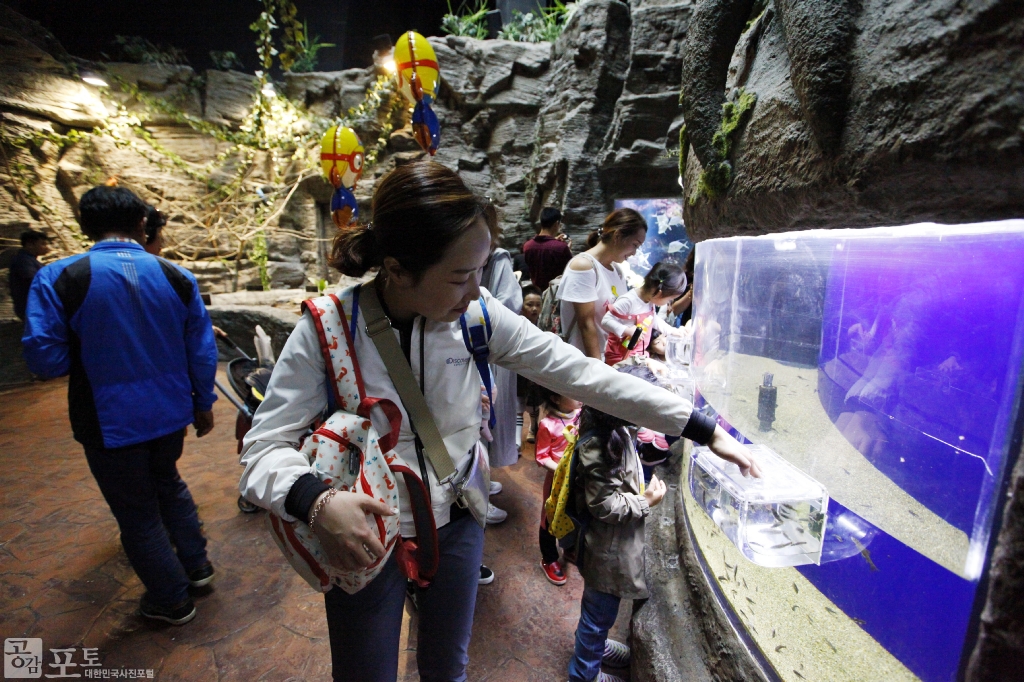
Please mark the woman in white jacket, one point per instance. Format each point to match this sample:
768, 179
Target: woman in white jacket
430, 238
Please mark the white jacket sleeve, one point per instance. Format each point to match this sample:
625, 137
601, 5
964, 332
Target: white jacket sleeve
543, 358
297, 395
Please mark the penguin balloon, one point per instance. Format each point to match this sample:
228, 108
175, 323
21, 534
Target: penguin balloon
341, 158
417, 70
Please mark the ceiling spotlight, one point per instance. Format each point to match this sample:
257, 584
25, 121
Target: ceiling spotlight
268, 90
390, 66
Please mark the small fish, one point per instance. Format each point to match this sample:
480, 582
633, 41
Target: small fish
745, 584
809, 619
773, 636
912, 513
864, 553
831, 646
784, 544
858, 621
799, 675
847, 472
735, 571
796, 589
722, 579
751, 601
831, 610
780, 648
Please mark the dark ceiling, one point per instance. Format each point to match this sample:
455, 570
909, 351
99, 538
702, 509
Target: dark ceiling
87, 27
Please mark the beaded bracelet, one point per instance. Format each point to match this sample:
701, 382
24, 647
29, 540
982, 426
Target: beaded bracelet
320, 505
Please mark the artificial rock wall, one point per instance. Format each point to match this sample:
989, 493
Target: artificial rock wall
574, 124
867, 113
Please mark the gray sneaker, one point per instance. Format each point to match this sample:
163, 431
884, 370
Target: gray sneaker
495, 515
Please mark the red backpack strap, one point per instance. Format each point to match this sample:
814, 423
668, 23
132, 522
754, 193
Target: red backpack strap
346, 381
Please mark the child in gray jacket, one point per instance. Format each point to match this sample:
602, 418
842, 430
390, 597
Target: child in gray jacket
610, 486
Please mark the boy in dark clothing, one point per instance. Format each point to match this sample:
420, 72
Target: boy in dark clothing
24, 267
548, 253
135, 337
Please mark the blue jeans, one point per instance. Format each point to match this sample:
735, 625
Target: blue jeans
365, 626
153, 508
598, 611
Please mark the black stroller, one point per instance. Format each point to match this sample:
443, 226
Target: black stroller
249, 379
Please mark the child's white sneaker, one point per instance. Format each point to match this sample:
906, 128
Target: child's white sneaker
616, 654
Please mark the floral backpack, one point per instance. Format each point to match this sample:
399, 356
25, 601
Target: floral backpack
349, 455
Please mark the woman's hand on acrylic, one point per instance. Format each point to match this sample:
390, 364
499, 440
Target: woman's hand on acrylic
731, 450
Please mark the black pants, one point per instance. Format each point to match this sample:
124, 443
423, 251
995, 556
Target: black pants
548, 546
149, 500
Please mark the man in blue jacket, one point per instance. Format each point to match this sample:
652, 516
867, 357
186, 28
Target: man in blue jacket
133, 333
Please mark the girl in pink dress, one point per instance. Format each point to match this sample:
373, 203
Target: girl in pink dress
561, 415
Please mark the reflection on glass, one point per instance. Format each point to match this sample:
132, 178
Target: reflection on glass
894, 357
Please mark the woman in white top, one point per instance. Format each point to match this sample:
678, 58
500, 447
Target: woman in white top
594, 279
429, 240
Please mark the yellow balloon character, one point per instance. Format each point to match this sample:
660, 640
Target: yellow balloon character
416, 67
341, 157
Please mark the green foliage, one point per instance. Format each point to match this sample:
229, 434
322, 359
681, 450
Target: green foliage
546, 24
138, 50
717, 176
259, 255
756, 10
684, 150
264, 27
307, 49
225, 60
294, 34
471, 22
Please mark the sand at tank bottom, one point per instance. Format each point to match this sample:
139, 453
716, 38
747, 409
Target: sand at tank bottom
800, 631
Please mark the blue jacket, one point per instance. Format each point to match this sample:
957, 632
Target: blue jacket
133, 333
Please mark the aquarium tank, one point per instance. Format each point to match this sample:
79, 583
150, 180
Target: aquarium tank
883, 364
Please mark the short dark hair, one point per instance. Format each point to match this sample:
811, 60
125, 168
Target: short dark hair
532, 290
155, 220
106, 209
549, 216
32, 236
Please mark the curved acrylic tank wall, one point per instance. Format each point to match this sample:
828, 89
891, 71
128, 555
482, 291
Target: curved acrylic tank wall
896, 357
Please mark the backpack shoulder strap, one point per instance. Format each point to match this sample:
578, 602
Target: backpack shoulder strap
344, 378
476, 334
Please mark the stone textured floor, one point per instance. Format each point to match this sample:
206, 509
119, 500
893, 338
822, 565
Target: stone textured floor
64, 576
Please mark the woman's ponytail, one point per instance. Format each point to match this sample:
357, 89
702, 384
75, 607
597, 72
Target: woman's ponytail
354, 251
620, 224
419, 210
